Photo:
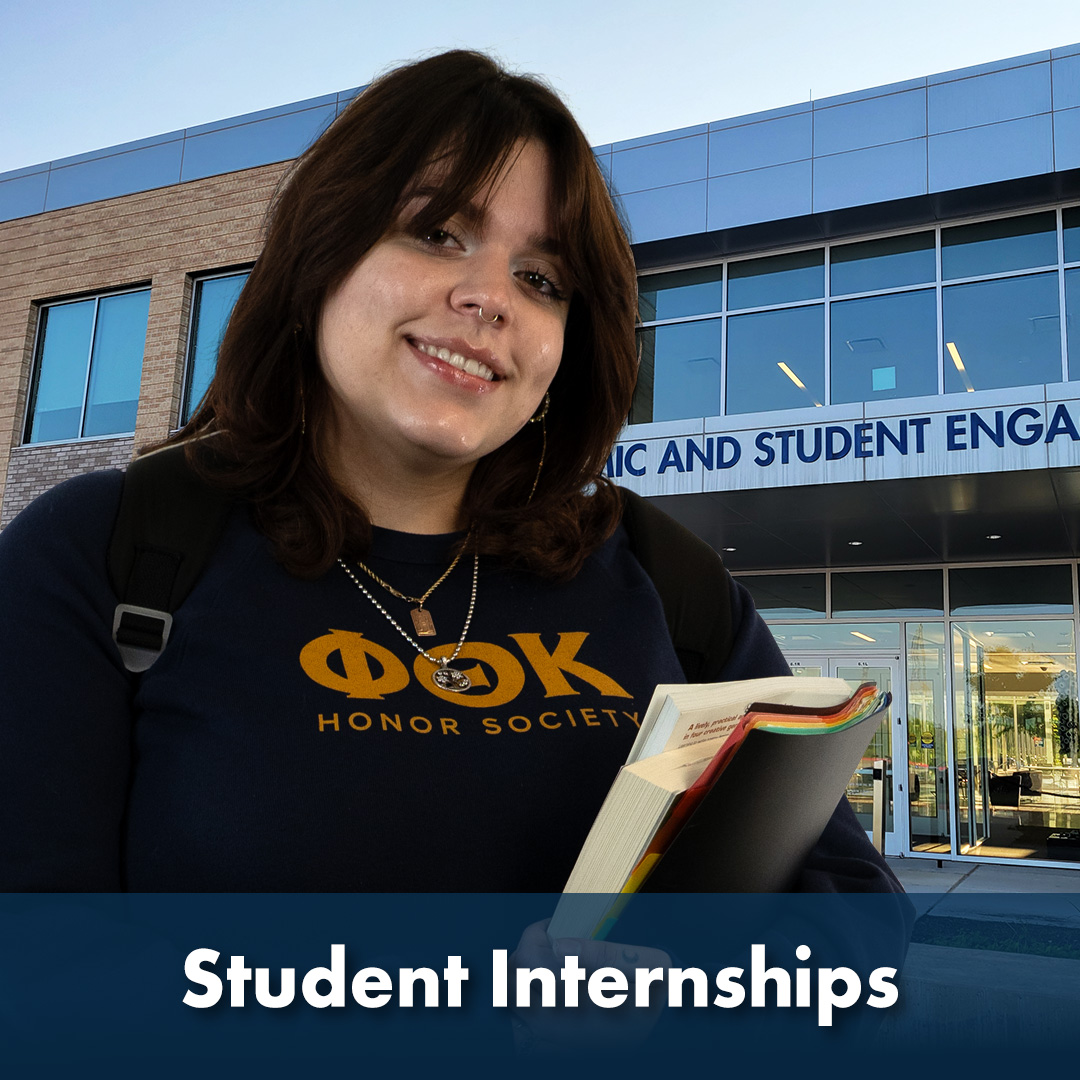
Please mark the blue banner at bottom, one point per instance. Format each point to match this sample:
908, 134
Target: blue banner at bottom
276, 984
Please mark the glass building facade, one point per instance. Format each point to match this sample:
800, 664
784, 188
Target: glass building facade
982, 745
958, 308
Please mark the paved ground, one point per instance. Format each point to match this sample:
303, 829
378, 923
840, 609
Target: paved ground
969, 880
995, 956
991, 891
926, 875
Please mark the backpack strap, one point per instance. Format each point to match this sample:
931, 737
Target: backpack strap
694, 587
167, 527
170, 522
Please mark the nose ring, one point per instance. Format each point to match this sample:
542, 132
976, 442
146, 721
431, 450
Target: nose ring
480, 312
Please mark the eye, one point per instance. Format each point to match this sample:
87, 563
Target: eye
439, 237
541, 283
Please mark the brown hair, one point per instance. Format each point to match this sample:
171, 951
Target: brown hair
268, 395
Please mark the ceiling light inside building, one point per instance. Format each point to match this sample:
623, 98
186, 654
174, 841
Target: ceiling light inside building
791, 375
955, 354
797, 381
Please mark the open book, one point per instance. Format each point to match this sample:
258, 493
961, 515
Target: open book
726, 789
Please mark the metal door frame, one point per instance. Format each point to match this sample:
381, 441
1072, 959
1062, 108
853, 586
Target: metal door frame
897, 838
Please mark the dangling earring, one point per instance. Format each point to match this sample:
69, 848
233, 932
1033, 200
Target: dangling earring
542, 410
540, 416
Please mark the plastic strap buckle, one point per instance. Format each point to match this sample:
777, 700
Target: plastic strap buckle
140, 634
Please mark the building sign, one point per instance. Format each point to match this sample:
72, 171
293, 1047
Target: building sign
839, 448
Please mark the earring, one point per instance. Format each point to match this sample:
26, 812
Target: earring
542, 409
541, 415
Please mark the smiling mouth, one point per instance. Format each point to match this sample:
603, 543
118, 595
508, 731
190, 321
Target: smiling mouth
462, 363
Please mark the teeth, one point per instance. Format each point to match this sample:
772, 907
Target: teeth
469, 366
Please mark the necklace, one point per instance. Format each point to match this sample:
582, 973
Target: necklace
422, 621
444, 677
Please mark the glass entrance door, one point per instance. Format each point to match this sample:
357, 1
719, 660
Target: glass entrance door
860, 790
929, 794
1017, 737
972, 761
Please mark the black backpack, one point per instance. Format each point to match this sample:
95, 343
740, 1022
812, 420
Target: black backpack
170, 522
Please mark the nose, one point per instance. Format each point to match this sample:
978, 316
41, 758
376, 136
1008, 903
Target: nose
485, 289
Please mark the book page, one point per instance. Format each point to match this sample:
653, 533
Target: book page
679, 769
682, 714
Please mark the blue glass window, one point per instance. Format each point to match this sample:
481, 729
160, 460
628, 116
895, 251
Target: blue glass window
1044, 590
882, 264
1070, 222
992, 247
88, 368
787, 596
681, 366
1072, 320
641, 405
112, 399
884, 347
63, 358
685, 292
888, 592
211, 307
777, 279
776, 360
1002, 333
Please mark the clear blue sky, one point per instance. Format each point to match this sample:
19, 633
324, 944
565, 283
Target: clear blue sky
78, 75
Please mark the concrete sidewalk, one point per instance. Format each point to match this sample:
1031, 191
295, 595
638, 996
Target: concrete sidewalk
998, 999
971, 890
944, 876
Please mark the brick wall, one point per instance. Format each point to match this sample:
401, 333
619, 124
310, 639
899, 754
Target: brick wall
160, 237
32, 470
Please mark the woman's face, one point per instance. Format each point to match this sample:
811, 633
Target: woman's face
417, 377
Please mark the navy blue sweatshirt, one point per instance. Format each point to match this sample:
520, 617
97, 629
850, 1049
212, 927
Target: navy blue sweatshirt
291, 738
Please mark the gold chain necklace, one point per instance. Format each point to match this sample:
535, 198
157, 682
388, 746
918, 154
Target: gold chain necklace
445, 677
422, 621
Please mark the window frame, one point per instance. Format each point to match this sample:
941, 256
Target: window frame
43, 306
186, 407
938, 284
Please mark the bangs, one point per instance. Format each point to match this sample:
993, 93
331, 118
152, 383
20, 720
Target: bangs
460, 172
453, 179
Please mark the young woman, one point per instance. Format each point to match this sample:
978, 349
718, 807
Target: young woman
420, 650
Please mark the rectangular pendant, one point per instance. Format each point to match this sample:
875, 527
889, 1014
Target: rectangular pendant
422, 622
